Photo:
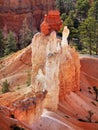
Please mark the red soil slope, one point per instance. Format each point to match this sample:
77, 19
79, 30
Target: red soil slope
72, 113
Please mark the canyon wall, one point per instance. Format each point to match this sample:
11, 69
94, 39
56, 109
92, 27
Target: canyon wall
13, 12
55, 72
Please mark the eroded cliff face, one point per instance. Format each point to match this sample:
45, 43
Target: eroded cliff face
57, 67
30, 108
13, 12
69, 74
55, 73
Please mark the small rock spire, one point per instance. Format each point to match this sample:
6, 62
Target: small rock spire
65, 35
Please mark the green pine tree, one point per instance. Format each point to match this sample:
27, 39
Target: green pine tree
96, 37
1, 44
10, 44
65, 6
82, 7
89, 29
5, 86
72, 24
25, 35
87, 33
93, 12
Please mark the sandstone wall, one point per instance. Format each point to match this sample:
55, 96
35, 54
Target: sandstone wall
13, 12
69, 74
55, 67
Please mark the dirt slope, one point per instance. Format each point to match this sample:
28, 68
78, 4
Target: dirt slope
15, 68
73, 112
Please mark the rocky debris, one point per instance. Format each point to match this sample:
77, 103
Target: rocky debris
22, 113
30, 108
8, 120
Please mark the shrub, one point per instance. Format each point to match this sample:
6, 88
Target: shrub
5, 86
96, 92
2, 46
14, 127
10, 44
28, 82
89, 117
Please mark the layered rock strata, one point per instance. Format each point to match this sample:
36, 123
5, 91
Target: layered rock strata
13, 12
52, 21
55, 71
57, 67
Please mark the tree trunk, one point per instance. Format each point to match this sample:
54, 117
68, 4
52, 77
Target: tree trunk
90, 49
90, 45
96, 48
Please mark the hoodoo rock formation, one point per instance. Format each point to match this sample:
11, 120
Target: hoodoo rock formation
57, 67
13, 12
52, 21
55, 73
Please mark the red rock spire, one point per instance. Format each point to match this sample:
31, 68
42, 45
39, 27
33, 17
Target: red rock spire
51, 22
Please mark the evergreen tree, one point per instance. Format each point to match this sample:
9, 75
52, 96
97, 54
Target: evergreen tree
96, 37
25, 35
69, 6
89, 30
63, 16
96, 92
82, 7
82, 20
93, 11
5, 86
72, 24
87, 35
1, 44
60, 6
10, 44
65, 6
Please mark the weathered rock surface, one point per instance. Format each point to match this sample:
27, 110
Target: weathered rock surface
59, 67
69, 72
16, 68
54, 62
13, 12
89, 69
30, 108
52, 21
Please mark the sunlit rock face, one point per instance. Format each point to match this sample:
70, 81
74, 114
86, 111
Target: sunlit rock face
39, 44
52, 21
69, 72
55, 67
55, 72
45, 65
13, 12
52, 71
30, 108
69, 75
